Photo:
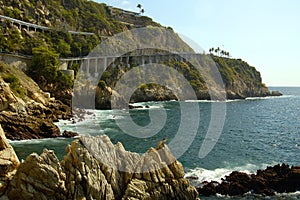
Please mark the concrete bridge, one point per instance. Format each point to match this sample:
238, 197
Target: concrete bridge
35, 27
92, 65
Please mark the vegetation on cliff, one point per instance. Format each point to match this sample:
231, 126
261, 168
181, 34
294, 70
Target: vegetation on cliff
26, 112
58, 42
61, 16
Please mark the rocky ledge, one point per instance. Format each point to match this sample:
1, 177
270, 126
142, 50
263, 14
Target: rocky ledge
93, 168
26, 112
276, 179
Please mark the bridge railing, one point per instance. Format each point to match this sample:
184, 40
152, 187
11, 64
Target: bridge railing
35, 26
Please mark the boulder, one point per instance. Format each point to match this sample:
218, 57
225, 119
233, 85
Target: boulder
69, 134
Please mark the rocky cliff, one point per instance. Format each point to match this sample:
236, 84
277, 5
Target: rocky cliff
94, 168
240, 81
26, 112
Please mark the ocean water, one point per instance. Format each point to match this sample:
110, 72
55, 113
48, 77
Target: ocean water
257, 132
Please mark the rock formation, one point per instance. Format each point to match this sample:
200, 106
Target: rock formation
30, 115
94, 168
8, 162
280, 179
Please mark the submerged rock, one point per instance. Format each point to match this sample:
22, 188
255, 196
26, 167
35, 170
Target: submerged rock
69, 134
95, 168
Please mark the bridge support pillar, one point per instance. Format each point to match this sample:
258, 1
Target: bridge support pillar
87, 70
156, 59
127, 62
96, 68
150, 60
105, 63
143, 60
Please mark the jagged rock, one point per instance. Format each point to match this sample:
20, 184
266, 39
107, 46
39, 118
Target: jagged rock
20, 127
8, 101
31, 116
95, 168
85, 178
280, 179
8, 162
39, 177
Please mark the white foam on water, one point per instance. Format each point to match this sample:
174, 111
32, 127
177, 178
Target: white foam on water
219, 173
35, 141
270, 97
150, 104
213, 101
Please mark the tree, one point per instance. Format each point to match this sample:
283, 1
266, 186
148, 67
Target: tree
222, 53
44, 64
142, 11
63, 48
139, 6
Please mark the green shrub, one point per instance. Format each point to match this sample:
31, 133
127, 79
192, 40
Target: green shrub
63, 81
12, 80
105, 75
143, 87
44, 64
2, 67
102, 84
14, 84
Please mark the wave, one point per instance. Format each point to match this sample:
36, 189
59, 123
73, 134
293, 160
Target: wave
37, 141
213, 101
271, 97
236, 100
250, 196
200, 175
150, 105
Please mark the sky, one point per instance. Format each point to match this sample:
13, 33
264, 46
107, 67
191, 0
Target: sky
264, 33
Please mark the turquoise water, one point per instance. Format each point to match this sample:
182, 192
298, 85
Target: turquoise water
257, 132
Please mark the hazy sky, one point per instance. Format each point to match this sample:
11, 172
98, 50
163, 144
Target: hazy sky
265, 33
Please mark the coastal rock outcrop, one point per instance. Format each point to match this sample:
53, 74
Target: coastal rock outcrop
279, 178
26, 112
8, 162
95, 168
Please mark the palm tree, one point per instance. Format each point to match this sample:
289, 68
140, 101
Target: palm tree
139, 6
217, 50
222, 53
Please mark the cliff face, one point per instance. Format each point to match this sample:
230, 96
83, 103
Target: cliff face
94, 168
26, 112
239, 78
